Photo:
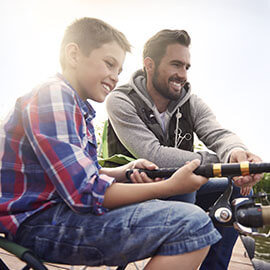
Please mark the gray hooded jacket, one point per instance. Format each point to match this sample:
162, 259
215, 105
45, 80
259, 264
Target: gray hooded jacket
142, 143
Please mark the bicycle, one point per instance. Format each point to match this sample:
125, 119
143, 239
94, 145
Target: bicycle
243, 213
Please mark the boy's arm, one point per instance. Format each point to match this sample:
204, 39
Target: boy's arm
181, 182
56, 129
119, 173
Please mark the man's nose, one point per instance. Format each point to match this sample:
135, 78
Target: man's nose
182, 73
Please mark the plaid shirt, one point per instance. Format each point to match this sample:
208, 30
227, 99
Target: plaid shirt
48, 155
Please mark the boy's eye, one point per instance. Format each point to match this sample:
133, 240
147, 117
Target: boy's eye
109, 64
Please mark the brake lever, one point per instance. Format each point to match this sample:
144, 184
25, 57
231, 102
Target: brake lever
248, 215
221, 212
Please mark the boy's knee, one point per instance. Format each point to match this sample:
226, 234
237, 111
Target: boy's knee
188, 197
192, 216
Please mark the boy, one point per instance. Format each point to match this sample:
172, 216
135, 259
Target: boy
56, 198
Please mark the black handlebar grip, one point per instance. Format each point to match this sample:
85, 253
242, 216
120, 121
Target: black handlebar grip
254, 217
212, 170
204, 170
266, 214
262, 167
162, 173
250, 217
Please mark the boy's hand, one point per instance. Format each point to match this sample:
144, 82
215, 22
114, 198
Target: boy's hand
185, 181
137, 177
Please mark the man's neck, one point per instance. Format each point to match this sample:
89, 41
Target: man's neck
160, 102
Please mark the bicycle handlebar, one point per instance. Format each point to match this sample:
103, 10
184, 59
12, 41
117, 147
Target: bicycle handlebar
254, 217
251, 216
212, 170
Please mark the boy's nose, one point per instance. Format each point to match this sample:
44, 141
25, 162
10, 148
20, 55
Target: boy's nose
114, 77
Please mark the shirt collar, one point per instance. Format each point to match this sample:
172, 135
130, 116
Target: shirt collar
88, 111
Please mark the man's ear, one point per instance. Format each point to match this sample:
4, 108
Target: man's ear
149, 65
72, 52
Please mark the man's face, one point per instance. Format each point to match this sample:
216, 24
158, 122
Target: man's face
97, 73
171, 74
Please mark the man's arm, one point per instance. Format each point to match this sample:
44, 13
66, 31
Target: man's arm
137, 138
216, 138
225, 143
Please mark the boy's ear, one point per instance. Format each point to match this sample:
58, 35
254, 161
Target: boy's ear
72, 52
149, 65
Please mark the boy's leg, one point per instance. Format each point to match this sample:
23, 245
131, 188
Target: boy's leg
219, 255
191, 260
188, 197
123, 235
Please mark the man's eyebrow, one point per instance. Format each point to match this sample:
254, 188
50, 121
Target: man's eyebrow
180, 62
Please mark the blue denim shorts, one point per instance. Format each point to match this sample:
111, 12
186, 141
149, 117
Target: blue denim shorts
118, 237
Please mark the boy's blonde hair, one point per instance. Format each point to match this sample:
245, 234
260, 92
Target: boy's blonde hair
89, 34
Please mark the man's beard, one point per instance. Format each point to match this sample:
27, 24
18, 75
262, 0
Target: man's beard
163, 89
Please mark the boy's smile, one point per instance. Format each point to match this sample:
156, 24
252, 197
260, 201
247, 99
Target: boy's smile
95, 75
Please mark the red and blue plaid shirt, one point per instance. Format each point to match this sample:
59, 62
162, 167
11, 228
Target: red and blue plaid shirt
48, 155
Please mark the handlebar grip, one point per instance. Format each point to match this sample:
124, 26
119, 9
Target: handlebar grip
203, 170
154, 173
266, 214
212, 170
254, 217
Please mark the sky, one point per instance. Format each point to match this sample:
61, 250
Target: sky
230, 55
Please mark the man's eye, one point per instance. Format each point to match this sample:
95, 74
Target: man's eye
177, 65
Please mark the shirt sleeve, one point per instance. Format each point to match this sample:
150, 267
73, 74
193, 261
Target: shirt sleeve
138, 138
216, 138
56, 129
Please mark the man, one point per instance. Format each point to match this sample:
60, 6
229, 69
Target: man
155, 117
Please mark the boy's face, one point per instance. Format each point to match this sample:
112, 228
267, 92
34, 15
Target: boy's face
97, 73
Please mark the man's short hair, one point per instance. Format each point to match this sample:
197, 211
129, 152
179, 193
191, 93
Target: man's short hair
90, 34
156, 46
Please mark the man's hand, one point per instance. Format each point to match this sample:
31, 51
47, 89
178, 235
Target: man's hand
245, 182
137, 177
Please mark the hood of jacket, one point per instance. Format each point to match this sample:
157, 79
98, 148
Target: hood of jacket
138, 83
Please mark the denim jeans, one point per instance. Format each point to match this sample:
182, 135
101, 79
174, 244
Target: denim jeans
220, 253
118, 237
